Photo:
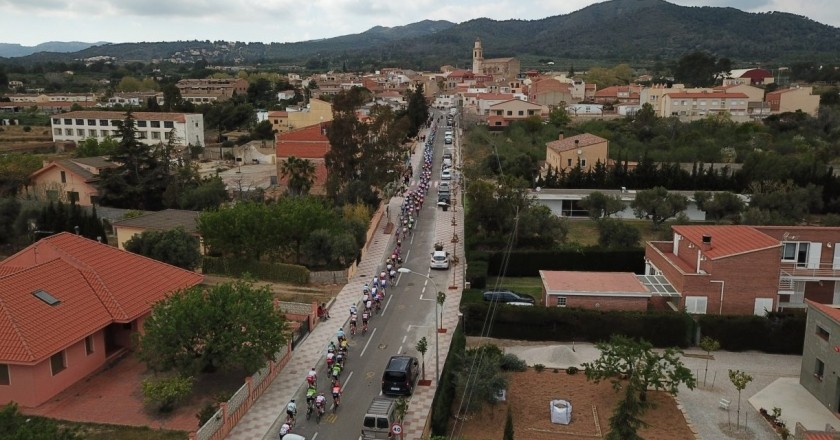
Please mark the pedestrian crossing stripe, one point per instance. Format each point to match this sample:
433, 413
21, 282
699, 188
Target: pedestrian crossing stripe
329, 418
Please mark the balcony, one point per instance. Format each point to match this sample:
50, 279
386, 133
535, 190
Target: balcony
799, 272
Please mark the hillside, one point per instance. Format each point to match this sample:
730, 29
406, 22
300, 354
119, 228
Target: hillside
16, 50
636, 31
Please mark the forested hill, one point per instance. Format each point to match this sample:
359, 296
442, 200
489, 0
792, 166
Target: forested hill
613, 31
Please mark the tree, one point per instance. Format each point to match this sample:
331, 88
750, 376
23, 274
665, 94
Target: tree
172, 99
740, 379
16, 426
417, 111
658, 205
708, 345
91, 147
701, 69
559, 117
600, 205
422, 346
9, 212
643, 367
508, 433
613, 233
15, 169
229, 326
483, 375
540, 228
209, 193
174, 246
263, 131
720, 206
300, 174
61, 217
625, 421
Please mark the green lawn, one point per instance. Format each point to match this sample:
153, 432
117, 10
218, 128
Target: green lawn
530, 285
585, 233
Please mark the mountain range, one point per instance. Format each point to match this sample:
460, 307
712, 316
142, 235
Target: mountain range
8, 50
635, 31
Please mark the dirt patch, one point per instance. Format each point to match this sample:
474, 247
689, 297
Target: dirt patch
529, 396
288, 292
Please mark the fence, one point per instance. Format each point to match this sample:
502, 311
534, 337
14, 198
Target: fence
230, 412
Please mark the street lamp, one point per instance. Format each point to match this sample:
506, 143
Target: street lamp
437, 344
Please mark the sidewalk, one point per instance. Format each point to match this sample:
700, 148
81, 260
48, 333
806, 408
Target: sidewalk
258, 422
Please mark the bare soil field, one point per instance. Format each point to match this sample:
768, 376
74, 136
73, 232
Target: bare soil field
289, 292
529, 395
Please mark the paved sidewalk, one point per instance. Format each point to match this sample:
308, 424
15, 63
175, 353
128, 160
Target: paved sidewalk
259, 422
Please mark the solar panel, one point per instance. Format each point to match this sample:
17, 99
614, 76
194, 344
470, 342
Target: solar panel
46, 297
658, 284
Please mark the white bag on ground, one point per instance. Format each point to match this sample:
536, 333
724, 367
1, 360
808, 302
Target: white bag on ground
561, 412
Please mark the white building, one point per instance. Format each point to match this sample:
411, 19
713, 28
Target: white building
152, 128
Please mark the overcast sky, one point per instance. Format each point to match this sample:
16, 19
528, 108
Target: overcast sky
30, 22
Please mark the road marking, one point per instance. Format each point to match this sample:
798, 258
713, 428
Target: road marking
387, 303
405, 337
344, 385
399, 350
368, 342
314, 436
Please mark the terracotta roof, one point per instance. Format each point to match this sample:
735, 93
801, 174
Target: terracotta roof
706, 95
72, 165
140, 116
164, 220
727, 240
495, 96
277, 114
308, 142
819, 436
526, 104
566, 144
829, 310
616, 283
95, 284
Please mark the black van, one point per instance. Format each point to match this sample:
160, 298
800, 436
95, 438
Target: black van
400, 375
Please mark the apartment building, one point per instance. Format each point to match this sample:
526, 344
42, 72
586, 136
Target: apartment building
739, 269
293, 118
43, 98
794, 99
211, 89
691, 106
152, 127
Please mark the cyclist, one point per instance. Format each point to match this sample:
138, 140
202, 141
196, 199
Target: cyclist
365, 317
320, 403
366, 288
393, 276
312, 377
374, 292
310, 399
344, 346
353, 310
336, 371
331, 347
365, 297
291, 412
340, 335
368, 307
339, 358
330, 360
353, 318
285, 429
384, 284
336, 393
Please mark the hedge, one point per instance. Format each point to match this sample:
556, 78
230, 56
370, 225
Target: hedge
592, 259
662, 329
261, 270
782, 333
445, 394
477, 274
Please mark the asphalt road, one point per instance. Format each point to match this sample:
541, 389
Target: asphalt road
407, 316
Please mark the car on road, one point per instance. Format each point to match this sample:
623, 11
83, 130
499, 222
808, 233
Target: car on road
379, 418
443, 187
508, 296
446, 174
400, 375
440, 260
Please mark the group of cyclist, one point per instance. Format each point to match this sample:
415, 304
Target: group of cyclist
373, 294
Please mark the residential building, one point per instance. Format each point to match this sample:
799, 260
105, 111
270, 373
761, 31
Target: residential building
158, 221
68, 180
316, 112
584, 149
310, 143
70, 306
821, 355
754, 77
757, 108
689, 106
794, 99
583, 109
739, 269
42, 98
565, 202
618, 95
594, 290
133, 99
480, 103
212, 89
549, 92
153, 128
503, 113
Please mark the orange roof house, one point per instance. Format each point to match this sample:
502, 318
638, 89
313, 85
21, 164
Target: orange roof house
68, 305
584, 149
594, 290
309, 143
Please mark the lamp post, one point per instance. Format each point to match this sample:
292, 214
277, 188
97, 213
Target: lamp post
437, 341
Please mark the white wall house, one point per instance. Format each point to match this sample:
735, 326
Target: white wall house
152, 128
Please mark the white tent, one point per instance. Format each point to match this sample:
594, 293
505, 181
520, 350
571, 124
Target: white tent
561, 412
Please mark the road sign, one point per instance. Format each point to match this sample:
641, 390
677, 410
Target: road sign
396, 429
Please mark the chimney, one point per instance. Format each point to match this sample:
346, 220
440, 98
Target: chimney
707, 242
560, 138
577, 141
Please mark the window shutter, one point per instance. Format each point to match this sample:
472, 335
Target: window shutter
836, 264
814, 252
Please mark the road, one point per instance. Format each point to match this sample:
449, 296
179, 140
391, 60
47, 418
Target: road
407, 316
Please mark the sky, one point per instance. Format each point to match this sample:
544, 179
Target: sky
29, 22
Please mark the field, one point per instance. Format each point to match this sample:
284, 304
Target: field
528, 397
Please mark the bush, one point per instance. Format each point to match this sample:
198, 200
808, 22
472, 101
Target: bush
594, 259
207, 412
512, 362
27, 129
261, 270
572, 371
445, 394
477, 274
782, 333
166, 392
539, 368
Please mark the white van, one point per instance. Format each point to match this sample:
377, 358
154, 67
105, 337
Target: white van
378, 419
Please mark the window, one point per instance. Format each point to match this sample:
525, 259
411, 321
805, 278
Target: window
103, 122
63, 177
569, 162
141, 123
91, 133
155, 135
819, 369
561, 301
91, 122
583, 163
57, 131
58, 363
4, 374
696, 305
509, 113
154, 124
80, 122
56, 121
168, 124
52, 195
80, 132
823, 333
72, 196
89, 345
796, 252
142, 135
68, 122
68, 132
166, 135
521, 113
103, 133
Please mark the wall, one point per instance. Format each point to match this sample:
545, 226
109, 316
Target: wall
125, 233
747, 277
602, 302
51, 180
815, 347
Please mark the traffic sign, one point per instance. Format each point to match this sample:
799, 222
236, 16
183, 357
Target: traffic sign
396, 428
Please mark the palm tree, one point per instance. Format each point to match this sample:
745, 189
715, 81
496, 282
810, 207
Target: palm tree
300, 174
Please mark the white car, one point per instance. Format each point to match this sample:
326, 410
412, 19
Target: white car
440, 260
446, 174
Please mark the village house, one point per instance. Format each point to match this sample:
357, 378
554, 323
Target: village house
794, 99
293, 118
310, 143
68, 180
584, 149
153, 128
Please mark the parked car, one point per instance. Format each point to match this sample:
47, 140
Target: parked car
400, 375
508, 296
440, 260
446, 174
443, 187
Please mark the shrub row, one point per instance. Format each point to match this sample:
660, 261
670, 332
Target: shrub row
662, 329
477, 274
782, 333
261, 270
594, 259
445, 394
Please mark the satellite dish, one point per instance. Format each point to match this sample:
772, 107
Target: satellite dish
538, 189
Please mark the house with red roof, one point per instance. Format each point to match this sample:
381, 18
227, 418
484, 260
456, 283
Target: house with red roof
740, 269
584, 149
550, 92
594, 290
67, 180
310, 143
68, 306
754, 77
618, 95
794, 99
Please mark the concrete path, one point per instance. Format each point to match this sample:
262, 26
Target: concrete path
796, 403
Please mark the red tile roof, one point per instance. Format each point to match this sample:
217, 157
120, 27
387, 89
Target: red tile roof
96, 285
706, 95
819, 436
727, 240
308, 142
495, 96
624, 283
832, 312
583, 140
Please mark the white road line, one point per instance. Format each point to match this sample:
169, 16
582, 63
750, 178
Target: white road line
400, 349
368, 342
314, 436
387, 303
404, 338
344, 385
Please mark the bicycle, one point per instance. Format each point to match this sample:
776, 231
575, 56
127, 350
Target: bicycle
291, 418
309, 405
352, 329
319, 411
364, 328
